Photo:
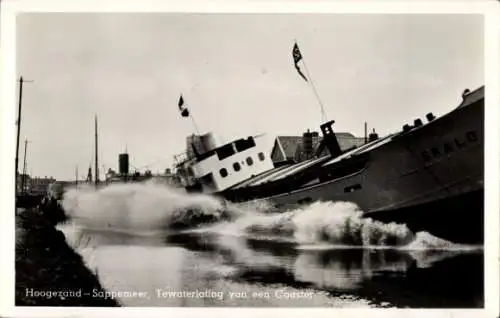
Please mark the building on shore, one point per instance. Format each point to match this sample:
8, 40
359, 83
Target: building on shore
293, 149
33, 185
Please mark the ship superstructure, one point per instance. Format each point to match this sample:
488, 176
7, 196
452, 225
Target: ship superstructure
213, 168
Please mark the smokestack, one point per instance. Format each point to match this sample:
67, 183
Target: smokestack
373, 136
123, 164
307, 144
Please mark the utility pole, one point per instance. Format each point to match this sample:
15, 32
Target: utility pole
20, 100
23, 179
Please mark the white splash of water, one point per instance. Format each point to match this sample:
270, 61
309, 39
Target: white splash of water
146, 208
337, 223
139, 207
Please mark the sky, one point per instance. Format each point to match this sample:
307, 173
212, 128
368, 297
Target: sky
237, 77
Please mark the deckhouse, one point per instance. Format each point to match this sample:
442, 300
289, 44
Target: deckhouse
209, 168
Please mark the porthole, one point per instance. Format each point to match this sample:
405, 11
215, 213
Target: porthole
261, 156
223, 172
249, 161
352, 188
236, 166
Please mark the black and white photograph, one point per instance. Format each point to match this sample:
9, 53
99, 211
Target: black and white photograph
250, 159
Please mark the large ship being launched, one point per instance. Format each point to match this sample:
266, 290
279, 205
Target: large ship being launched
429, 175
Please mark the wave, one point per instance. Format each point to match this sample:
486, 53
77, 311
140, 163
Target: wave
137, 209
339, 223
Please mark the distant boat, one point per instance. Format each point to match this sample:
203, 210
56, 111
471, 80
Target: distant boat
429, 175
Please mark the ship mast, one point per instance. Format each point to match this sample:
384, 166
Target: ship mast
96, 154
298, 57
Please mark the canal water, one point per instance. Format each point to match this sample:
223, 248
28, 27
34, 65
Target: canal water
155, 246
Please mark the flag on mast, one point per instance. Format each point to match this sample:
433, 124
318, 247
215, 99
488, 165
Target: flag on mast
184, 111
297, 57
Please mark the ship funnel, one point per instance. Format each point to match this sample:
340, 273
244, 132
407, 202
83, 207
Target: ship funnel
123, 164
373, 136
330, 139
208, 142
200, 144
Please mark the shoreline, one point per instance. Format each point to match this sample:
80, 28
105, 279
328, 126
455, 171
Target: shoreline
48, 272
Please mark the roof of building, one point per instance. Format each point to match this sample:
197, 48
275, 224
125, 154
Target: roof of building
291, 146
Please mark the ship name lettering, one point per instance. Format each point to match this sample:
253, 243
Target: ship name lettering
449, 146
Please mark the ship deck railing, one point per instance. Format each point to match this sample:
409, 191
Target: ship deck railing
181, 158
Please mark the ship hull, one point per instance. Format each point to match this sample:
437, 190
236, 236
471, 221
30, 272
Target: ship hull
430, 178
459, 219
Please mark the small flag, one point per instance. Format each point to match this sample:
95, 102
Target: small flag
297, 57
184, 111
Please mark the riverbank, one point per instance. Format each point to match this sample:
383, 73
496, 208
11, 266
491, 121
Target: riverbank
48, 271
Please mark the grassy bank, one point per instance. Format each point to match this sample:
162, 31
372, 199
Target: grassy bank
48, 271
